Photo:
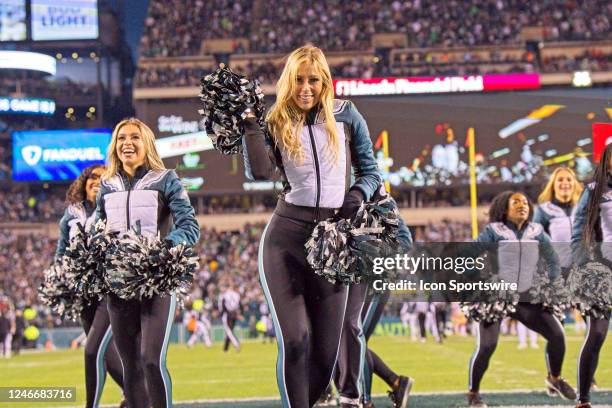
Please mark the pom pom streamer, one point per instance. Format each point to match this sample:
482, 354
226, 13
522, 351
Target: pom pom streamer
552, 294
139, 267
591, 288
494, 305
226, 100
343, 251
82, 261
61, 293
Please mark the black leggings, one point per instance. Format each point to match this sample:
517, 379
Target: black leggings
348, 371
372, 312
307, 312
536, 319
100, 352
597, 330
141, 330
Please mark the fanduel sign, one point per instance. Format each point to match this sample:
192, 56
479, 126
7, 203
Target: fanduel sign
57, 154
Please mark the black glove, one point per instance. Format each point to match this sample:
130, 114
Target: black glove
352, 202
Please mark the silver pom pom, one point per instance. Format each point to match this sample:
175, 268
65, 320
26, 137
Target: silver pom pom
138, 267
227, 98
60, 292
590, 286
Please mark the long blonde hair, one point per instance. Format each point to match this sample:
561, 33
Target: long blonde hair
286, 119
549, 191
152, 159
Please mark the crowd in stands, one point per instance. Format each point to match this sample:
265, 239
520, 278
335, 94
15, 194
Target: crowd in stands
403, 64
18, 205
177, 28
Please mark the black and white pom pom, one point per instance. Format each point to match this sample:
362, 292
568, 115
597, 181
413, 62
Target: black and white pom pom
343, 251
60, 293
227, 98
590, 286
82, 261
488, 312
491, 306
139, 267
552, 294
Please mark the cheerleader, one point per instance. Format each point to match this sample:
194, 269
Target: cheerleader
137, 192
100, 351
510, 222
593, 225
556, 212
314, 141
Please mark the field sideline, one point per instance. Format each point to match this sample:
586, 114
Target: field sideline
202, 374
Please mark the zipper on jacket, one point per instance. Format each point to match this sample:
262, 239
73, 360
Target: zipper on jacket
518, 279
127, 204
317, 170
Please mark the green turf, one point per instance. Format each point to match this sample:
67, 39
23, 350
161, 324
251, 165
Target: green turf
202, 374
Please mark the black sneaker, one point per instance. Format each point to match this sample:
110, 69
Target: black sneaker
326, 399
562, 388
551, 392
475, 401
400, 395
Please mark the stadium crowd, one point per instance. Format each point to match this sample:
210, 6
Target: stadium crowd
174, 28
403, 64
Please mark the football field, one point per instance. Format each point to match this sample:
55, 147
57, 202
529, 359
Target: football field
204, 377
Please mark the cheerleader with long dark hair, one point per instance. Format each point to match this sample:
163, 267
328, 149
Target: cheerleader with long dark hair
100, 351
517, 261
592, 252
314, 142
138, 193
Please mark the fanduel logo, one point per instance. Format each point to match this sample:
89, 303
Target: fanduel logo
33, 154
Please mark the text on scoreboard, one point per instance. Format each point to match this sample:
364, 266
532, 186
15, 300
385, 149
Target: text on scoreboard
48, 155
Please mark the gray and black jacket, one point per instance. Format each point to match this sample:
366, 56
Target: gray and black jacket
518, 251
79, 213
557, 220
153, 202
603, 230
314, 188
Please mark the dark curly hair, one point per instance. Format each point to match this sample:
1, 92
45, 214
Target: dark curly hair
498, 211
77, 191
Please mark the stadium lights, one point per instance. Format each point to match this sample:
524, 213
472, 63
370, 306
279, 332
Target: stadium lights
92, 109
92, 55
59, 55
75, 55
582, 79
33, 61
